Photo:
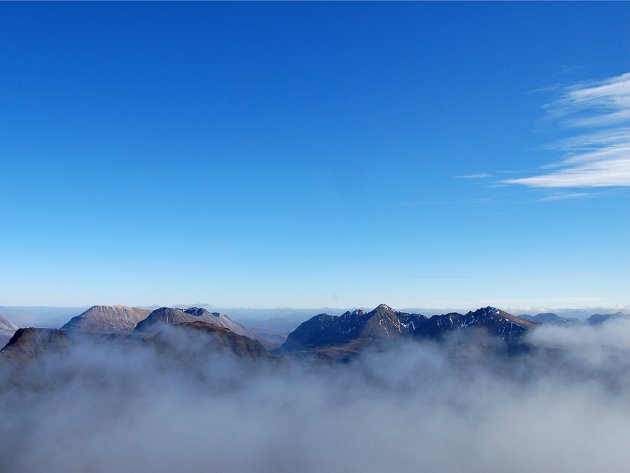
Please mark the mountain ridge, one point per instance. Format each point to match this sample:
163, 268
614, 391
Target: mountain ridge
173, 316
384, 323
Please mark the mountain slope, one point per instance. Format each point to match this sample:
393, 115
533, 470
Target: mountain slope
497, 323
169, 316
7, 329
219, 320
106, 319
30, 343
196, 339
548, 318
324, 330
597, 319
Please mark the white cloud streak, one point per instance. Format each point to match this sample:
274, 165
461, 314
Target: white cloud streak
573, 196
599, 153
478, 175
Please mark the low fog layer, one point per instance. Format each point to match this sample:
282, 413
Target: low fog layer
565, 407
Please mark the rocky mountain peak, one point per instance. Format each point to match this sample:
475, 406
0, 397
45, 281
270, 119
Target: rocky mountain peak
200, 311
106, 319
485, 311
384, 309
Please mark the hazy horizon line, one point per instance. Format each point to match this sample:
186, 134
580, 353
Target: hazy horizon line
428, 308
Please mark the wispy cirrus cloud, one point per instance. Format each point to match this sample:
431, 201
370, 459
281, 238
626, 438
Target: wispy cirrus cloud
598, 155
572, 196
477, 175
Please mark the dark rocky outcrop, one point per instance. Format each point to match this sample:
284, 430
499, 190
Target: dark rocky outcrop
31, 343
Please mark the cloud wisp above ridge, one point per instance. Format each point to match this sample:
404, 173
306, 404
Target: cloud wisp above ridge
478, 175
598, 155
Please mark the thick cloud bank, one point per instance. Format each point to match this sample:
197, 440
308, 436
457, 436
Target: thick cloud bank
564, 407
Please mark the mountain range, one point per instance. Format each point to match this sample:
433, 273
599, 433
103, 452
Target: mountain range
133, 326
343, 336
323, 336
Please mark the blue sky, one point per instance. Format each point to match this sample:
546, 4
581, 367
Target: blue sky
309, 155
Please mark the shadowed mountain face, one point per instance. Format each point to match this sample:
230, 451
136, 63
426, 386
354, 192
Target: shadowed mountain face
498, 324
169, 316
106, 319
7, 329
323, 329
188, 341
191, 340
30, 343
354, 329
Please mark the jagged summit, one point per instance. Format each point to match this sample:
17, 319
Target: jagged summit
494, 313
324, 330
383, 308
489, 310
383, 323
200, 311
171, 316
355, 312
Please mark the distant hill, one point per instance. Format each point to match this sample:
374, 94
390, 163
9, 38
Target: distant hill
549, 318
597, 319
